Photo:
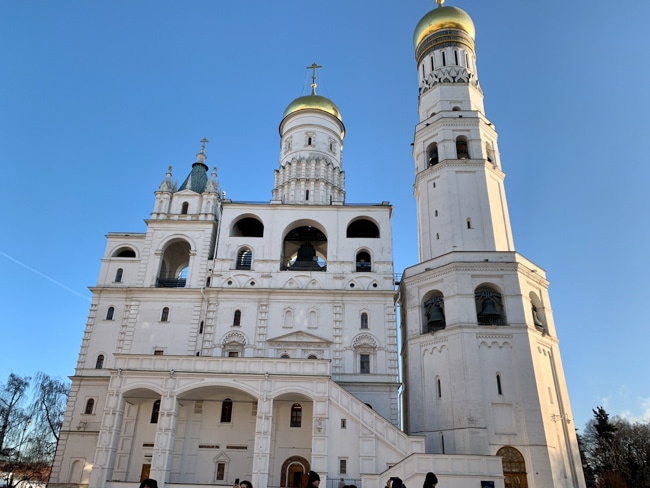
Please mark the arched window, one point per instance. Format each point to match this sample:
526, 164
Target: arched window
363, 262
514, 467
363, 228
462, 148
433, 309
296, 415
304, 249
307, 195
90, 406
118, 275
155, 411
432, 154
175, 262
312, 356
364, 320
244, 258
185, 208
247, 227
99, 364
164, 316
226, 411
110, 313
284, 356
124, 252
236, 320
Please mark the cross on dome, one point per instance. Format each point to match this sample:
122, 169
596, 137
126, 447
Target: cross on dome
313, 67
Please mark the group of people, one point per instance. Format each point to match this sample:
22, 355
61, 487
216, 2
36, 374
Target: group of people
313, 481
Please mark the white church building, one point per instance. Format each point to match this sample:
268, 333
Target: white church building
260, 341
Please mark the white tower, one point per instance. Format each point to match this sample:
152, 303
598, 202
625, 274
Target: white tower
482, 369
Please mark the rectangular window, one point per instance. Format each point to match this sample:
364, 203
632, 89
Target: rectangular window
221, 471
158, 352
233, 354
343, 466
344, 423
364, 363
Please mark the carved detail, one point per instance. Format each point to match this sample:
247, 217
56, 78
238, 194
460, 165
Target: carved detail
448, 74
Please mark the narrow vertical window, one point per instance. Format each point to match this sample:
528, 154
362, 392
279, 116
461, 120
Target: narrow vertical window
456, 57
110, 313
296, 415
155, 412
439, 385
185, 208
364, 363
364, 320
118, 275
226, 411
309, 141
343, 466
433, 66
306, 194
236, 320
469, 223
423, 73
444, 60
99, 364
466, 60
499, 391
442, 442
221, 471
90, 406
436, 213
344, 423
201, 327
164, 316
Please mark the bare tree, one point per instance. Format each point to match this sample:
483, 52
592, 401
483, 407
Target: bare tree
12, 395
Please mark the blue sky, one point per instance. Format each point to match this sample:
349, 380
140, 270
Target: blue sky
98, 98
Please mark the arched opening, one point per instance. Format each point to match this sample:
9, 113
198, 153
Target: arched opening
433, 308
226, 411
489, 306
110, 313
244, 258
175, 262
514, 468
247, 227
184, 208
364, 320
363, 228
305, 249
296, 415
155, 412
432, 154
537, 312
124, 252
99, 364
462, 148
118, 275
363, 262
164, 315
294, 472
236, 320
90, 406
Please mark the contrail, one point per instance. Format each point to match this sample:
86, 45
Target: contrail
45, 276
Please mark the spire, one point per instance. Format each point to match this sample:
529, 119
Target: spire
167, 184
212, 186
313, 67
198, 177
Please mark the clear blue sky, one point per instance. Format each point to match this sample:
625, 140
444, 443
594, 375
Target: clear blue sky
98, 98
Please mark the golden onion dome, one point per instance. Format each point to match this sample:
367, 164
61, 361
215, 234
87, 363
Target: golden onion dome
313, 102
443, 18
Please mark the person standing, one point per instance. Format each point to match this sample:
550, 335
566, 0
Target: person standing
148, 483
341, 483
430, 481
313, 480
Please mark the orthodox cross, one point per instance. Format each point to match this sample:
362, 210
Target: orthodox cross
313, 67
203, 142
440, 2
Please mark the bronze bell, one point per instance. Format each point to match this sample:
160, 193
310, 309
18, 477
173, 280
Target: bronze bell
306, 259
536, 320
488, 308
435, 314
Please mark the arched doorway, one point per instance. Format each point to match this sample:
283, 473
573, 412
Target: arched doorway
294, 469
514, 468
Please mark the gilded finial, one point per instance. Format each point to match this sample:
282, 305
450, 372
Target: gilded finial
313, 67
203, 142
440, 2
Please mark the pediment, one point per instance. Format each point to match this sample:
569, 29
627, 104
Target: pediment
301, 337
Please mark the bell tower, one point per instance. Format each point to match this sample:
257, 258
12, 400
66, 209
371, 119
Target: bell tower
482, 371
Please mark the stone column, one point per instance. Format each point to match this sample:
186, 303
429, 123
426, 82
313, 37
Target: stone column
163, 447
109, 435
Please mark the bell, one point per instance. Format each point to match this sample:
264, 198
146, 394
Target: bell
488, 308
538, 323
306, 259
435, 314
